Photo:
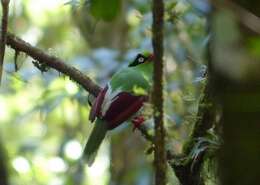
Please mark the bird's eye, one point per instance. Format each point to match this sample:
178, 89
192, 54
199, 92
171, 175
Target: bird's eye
141, 60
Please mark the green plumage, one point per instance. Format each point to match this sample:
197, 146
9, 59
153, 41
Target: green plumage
127, 79
133, 78
95, 139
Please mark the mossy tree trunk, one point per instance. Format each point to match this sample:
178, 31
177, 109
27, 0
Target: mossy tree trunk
236, 81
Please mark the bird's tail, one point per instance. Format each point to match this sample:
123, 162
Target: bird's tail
94, 141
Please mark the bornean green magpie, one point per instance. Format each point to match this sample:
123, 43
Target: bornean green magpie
122, 99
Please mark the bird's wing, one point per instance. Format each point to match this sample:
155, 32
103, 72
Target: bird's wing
123, 106
96, 107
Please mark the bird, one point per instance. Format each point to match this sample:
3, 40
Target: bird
121, 100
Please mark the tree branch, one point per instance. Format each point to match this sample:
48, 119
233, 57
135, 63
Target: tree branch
5, 8
157, 95
3, 165
3, 161
20, 45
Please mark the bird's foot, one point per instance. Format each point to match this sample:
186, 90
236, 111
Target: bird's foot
137, 121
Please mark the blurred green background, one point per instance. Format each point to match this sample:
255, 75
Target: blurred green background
44, 116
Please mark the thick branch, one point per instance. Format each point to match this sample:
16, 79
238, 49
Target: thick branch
53, 62
5, 8
157, 96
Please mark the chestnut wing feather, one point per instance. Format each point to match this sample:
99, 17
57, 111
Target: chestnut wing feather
122, 108
96, 107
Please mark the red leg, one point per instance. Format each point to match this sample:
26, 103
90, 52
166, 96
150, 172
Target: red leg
137, 121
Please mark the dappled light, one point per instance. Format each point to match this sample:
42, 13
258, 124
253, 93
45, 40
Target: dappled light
97, 92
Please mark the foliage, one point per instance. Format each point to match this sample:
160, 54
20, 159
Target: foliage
106, 10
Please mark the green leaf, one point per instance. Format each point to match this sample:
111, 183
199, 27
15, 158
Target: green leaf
105, 9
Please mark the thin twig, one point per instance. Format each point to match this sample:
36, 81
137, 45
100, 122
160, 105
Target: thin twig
5, 8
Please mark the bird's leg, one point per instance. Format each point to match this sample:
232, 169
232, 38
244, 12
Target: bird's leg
137, 121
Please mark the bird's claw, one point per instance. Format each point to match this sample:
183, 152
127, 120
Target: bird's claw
137, 121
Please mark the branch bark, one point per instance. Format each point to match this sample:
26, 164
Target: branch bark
20, 45
3, 165
3, 161
5, 8
157, 95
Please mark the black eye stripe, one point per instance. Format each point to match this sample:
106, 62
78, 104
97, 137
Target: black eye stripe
140, 59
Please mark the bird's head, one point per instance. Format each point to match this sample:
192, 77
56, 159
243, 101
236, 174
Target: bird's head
143, 58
